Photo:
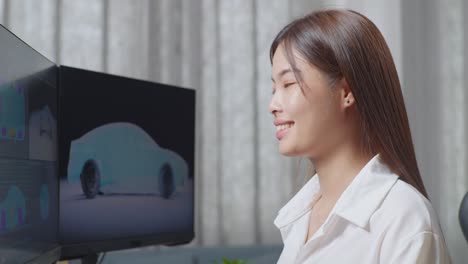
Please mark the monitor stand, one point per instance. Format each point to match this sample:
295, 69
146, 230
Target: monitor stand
90, 259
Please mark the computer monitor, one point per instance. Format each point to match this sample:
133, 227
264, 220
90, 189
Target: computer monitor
126, 163
28, 154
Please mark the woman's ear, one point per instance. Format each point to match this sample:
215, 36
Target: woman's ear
347, 97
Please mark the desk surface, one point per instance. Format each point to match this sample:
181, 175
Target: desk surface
187, 255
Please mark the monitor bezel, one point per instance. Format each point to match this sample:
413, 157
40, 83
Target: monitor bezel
80, 250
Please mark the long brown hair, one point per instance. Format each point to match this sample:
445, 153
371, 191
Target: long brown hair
346, 44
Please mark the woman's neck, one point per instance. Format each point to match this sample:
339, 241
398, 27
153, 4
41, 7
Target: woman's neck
338, 169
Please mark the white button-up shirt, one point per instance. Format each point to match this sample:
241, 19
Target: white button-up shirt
377, 219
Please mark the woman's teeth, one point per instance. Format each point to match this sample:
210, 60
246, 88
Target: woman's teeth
281, 127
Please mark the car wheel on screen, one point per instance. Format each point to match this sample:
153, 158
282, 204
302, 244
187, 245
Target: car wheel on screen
166, 181
90, 179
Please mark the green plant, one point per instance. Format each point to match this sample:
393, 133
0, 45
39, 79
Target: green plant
236, 261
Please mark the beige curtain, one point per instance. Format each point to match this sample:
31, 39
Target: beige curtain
220, 48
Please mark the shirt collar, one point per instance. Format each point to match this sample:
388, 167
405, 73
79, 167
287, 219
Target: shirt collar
300, 204
356, 204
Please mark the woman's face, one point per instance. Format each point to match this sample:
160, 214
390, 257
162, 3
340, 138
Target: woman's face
307, 123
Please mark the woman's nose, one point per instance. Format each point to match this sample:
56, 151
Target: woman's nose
274, 105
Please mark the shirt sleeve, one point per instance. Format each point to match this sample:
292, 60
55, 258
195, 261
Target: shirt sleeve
422, 248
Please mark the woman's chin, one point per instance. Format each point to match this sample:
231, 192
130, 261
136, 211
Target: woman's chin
286, 150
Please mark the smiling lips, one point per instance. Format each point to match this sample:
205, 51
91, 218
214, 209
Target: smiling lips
282, 128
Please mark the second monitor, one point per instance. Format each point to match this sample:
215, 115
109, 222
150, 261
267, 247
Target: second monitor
126, 162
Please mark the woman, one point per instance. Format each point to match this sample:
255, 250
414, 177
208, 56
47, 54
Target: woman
337, 101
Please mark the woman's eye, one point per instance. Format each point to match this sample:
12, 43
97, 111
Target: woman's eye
288, 84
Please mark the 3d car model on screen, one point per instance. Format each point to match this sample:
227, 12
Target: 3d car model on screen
121, 158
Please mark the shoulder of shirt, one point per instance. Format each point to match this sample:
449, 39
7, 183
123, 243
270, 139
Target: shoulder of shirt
427, 247
404, 206
408, 219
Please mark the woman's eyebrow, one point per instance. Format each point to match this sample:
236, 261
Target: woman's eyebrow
281, 74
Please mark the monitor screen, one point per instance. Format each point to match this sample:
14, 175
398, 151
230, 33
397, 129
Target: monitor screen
28, 153
126, 162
